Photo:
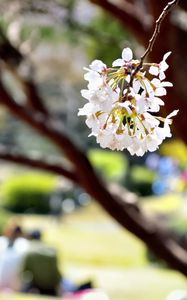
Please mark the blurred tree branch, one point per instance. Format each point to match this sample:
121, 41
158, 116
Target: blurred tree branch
129, 15
33, 99
37, 163
12, 58
8, 53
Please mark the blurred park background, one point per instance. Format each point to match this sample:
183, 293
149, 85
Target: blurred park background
44, 46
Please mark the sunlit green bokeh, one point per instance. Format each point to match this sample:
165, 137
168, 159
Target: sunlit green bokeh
111, 165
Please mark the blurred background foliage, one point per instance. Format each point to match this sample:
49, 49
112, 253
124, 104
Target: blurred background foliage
28, 193
111, 165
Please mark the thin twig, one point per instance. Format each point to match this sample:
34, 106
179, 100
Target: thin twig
156, 32
38, 163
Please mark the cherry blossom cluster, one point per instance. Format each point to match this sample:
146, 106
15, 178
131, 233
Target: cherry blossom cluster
124, 101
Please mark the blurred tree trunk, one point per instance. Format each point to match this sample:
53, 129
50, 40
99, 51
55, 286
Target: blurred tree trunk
119, 203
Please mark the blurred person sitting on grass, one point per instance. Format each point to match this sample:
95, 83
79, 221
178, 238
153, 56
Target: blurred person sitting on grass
29, 266
40, 273
13, 246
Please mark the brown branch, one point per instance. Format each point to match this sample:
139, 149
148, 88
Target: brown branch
8, 53
39, 163
156, 32
140, 10
127, 215
127, 16
33, 98
12, 57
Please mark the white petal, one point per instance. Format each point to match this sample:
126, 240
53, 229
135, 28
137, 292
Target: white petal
95, 83
140, 152
97, 65
138, 147
124, 140
154, 70
106, 106
155, 104
86, 94
166, 84
163, 66
136, 86
156, 82
92, 76
172, 114
160, 91
104, 138
127, 54
86, 109
151, 119
133, 149
149, 88
166, 55
160, 134
167, 131
162, 75
152, 144
118, 62
159, 101
92, 122
141, 105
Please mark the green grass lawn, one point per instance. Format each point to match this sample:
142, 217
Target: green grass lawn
169, 203
131, 284
85, 236
91, 245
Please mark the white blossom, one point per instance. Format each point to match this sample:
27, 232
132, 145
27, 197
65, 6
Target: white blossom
159, 70
126, 57
159, 86
97, 65
121, 103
